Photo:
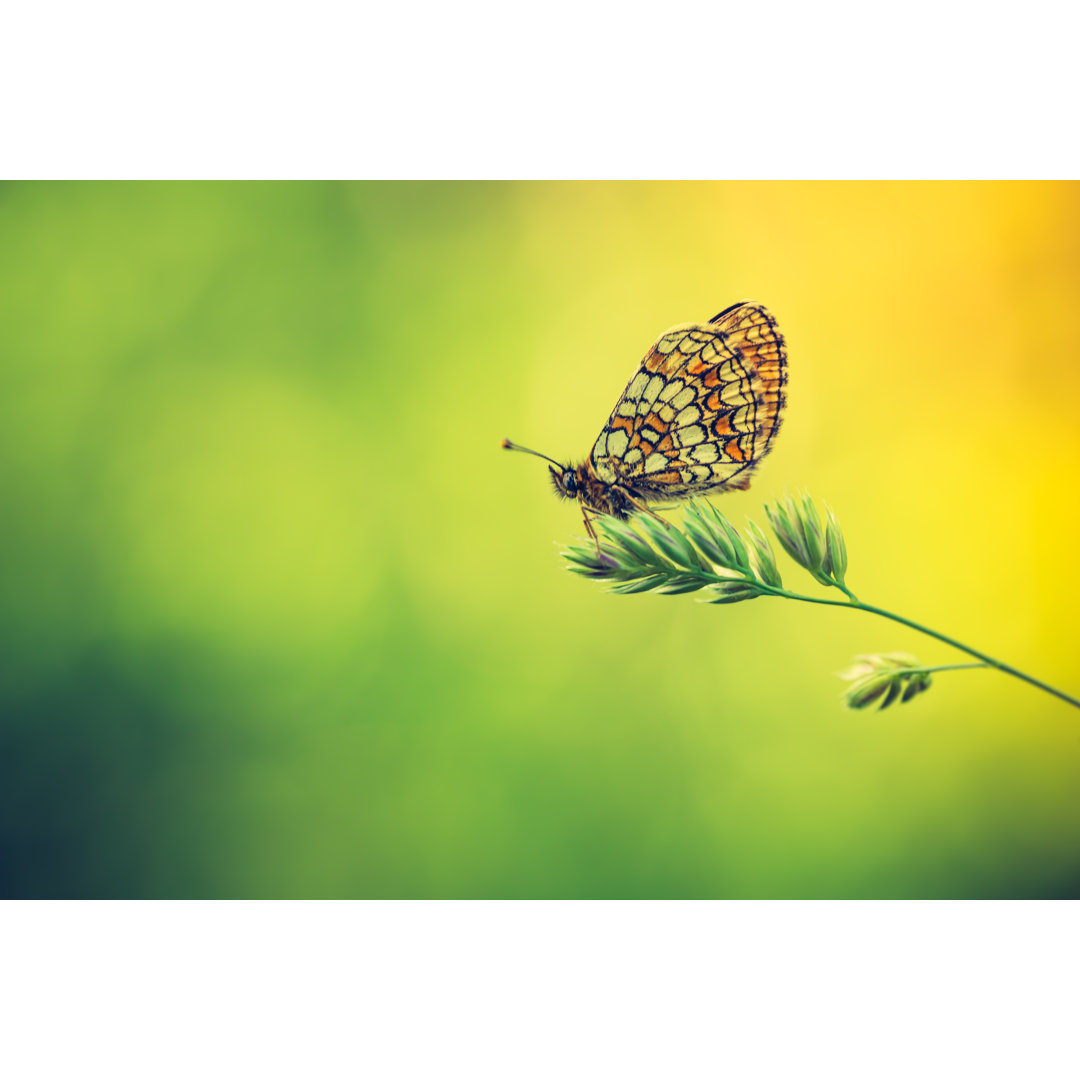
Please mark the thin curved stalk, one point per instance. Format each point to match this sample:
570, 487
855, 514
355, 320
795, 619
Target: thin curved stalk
911, 624
942, 667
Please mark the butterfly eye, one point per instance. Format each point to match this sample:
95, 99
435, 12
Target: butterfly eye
569, 482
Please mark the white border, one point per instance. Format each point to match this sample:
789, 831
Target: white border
539, 990
563, 90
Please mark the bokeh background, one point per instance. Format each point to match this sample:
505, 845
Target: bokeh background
279, 619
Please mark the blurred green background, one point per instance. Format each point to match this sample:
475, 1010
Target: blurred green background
279, 619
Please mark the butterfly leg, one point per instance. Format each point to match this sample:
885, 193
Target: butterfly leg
590, 530
644, 509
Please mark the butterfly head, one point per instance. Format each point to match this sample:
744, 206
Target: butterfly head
565, 479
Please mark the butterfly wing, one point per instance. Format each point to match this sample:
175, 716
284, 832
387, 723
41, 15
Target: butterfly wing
702, 409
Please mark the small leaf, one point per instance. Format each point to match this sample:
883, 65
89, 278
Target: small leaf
731, 592
645, 584
627, 560
585, 561
764, 559
691, 558
680, 584
916, 685
707, 544
835, 548
710, 538
891, 677
798, 528
786, 533
660, 536
622, 535
866, 691
738, 548
812, 532
892, 694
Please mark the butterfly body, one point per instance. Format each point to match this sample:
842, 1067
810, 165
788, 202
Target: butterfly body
697, 417
581, 482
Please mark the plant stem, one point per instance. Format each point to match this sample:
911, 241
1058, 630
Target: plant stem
988, 660
940, 667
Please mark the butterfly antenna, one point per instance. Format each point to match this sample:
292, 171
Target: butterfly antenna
508, 445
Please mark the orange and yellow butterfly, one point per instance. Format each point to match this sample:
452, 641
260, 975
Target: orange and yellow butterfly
698, 416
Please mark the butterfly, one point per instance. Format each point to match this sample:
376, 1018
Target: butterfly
699, 414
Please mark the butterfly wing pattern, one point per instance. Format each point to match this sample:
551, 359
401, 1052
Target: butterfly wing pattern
701, 410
